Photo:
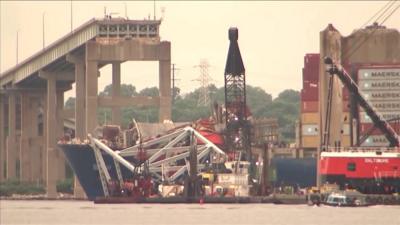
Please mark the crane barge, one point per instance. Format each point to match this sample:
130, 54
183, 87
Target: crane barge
368, 170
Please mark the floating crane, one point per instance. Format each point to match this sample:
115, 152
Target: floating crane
237, 124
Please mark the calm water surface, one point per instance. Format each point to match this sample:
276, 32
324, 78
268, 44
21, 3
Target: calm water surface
84, 212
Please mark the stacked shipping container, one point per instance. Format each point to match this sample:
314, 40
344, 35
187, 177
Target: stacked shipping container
310, 116
309, 102
380, 85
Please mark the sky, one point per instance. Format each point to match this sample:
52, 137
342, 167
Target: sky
274, 36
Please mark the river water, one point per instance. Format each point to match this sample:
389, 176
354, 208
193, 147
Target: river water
85, 212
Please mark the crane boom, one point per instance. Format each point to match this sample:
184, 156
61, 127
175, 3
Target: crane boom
377, 119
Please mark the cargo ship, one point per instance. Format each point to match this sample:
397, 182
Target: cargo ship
82, 161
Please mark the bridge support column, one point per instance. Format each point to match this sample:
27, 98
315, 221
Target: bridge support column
116, 91
91, 95
43, 148
11, 149
26, 134
60, 133
165, 82
80, 95
51, 128
2, 139
36, 141
80, 113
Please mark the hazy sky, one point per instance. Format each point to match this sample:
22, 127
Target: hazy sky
273, 36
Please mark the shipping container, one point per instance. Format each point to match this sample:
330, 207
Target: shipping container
311, 73
307, 118
379, 74
309, 94
376, 141
385, 106
294, 172
365, 127
364, 118
310, 129
366, 85
310, 141
309, 106
311, 59
381, 95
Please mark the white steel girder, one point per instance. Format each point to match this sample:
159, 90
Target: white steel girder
160, 168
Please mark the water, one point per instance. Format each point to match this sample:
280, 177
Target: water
84, 212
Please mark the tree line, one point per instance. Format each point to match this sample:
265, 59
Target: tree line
185, 108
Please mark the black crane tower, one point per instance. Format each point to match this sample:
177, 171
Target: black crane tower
237, 124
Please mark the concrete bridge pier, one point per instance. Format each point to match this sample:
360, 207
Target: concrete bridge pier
51, 127
80, 94
59, 134
11, 153
2, 138
80, 117
36, 139
27, 126
116, 116
91, 95
30, 141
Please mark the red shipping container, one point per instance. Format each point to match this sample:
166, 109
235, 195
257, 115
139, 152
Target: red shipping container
309, 106
310, 73
309, 85
309, 94
311, 59
364, 128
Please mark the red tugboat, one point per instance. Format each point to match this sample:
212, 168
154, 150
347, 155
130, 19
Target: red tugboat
368, 170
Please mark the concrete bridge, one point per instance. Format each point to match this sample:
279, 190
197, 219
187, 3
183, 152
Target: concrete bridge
32, 93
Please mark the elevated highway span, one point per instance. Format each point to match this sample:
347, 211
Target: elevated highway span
32, 93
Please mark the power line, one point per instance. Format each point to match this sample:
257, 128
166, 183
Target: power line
173, 81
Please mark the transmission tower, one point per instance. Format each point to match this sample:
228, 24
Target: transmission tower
204, 79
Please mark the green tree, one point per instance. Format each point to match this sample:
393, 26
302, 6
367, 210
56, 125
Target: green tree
185, 108
70, 103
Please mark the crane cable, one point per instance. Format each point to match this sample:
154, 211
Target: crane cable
357, 39
354, 50
369, 20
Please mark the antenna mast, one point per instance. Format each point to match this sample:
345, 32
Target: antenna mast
154, 9
17, 47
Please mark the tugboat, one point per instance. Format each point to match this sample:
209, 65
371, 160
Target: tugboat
345, 200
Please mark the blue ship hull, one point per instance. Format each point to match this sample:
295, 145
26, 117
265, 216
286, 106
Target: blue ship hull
295, 172
81, 158
82, 161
